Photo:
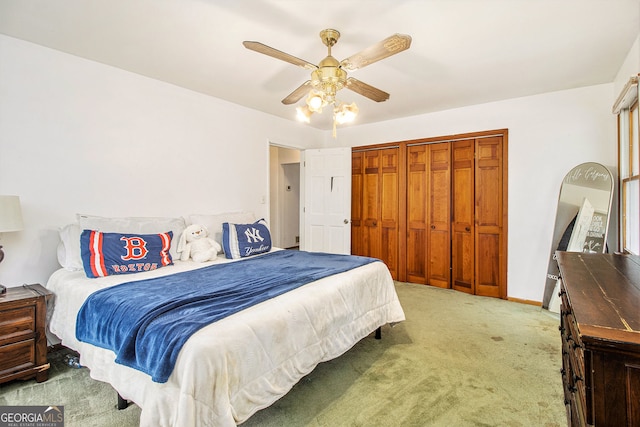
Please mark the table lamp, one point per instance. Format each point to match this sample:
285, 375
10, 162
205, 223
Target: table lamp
10, 219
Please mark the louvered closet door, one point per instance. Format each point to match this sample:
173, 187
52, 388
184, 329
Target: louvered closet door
463, 221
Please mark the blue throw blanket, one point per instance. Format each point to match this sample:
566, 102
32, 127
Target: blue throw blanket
147, 322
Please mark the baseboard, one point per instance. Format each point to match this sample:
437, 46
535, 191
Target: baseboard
525, 301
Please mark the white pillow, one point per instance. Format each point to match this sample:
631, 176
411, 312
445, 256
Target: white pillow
69, 247
214, 222
138, 225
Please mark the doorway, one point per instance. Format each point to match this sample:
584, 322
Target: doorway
284, 196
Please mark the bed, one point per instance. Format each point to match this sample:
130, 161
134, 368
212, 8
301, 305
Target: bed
241, 363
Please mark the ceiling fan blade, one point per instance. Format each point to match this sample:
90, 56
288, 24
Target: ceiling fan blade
366, 90
275, 53
297, 94
383, 49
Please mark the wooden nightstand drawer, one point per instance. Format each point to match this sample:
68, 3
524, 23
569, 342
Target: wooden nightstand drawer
23, 343
17, 356
17, 324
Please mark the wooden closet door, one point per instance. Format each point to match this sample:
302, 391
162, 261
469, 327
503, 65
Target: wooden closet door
374, 222
439, 215
462, 244
429, 214
489, 217
371, 204
389, 206
417, 199
357, 197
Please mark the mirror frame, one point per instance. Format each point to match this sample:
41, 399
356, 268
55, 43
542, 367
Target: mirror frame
579, 187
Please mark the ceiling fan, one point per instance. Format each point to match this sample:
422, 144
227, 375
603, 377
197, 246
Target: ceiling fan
330, 75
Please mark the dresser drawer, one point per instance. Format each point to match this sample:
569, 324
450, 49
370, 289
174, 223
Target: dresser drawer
17, 324
23, 342
601, 338
17, 356
575, 346
573, 364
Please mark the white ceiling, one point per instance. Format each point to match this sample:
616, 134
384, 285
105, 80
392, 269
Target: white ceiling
463, 52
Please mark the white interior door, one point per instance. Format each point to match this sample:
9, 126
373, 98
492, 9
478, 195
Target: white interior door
326, 209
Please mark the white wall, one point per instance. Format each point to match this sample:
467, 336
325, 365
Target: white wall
630, 67
79, 136
548, 135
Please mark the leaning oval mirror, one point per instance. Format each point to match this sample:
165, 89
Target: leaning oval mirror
582, 217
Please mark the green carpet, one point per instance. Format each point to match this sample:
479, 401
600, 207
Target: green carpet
458, 360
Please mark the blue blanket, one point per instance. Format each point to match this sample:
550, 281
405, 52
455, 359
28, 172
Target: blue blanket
147, 322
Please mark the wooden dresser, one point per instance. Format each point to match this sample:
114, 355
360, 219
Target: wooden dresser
600, 327
23, 343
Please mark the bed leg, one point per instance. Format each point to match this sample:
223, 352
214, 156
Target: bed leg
122, 403
379, 333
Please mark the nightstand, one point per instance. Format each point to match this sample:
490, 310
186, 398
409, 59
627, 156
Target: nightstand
23, 343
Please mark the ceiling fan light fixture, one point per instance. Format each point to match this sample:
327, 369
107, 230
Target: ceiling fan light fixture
315, 101
330, 76
345, 113
303, 114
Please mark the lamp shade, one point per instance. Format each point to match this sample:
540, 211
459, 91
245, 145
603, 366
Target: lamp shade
10, 214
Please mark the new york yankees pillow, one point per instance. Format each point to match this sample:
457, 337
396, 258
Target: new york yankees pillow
105, 254
243, 240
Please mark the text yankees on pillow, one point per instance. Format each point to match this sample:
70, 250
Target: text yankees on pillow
243, 240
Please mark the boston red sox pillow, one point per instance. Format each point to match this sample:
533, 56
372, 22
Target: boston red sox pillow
105, 254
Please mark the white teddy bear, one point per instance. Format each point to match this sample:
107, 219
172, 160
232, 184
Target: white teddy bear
196, 244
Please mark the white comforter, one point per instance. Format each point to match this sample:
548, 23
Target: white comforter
236, 366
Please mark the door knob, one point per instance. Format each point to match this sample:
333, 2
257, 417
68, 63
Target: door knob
346, 221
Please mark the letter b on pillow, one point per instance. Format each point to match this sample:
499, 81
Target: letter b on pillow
243, 240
